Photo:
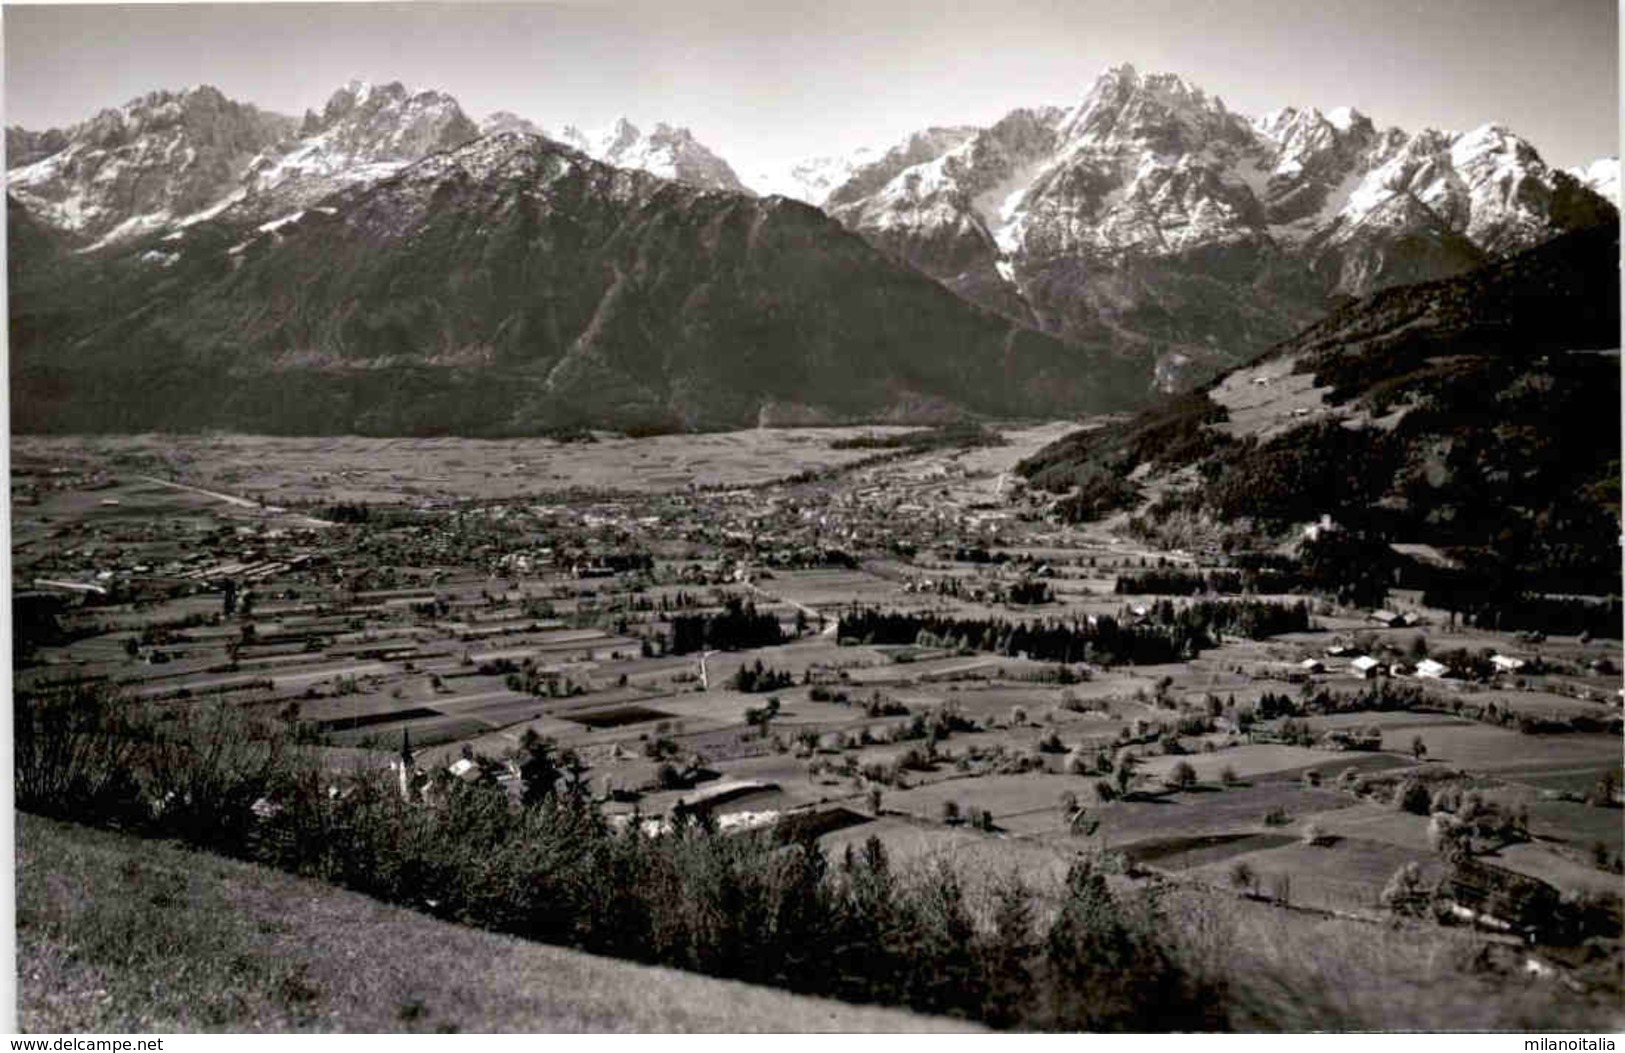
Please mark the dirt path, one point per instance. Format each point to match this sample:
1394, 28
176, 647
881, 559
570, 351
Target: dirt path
832, 624
240, 502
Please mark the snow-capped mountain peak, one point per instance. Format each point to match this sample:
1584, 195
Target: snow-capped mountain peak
1161, 111
170, 159
1150, 190
1344, 118
144, 165
1151, 163
621, 137
811, 180
364, 132
669, 152
389, 122
504, 121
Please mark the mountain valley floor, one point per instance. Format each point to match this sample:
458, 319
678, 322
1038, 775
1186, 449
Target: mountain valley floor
834, 631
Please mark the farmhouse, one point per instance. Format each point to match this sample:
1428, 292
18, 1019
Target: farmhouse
1365, 667
1368, 739
1431, 669
1325, 525
1501, 898
1505, 663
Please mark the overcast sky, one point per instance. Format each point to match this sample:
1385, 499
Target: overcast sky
765, 83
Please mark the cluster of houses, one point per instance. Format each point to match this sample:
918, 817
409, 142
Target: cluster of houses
148, 562
1367, 667
792, 524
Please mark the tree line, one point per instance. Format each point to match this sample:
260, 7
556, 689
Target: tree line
1165, 633
738, 626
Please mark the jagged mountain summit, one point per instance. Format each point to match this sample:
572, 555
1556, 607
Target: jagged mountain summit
24, 147
505, 121
170, 159
142, 167
813, 179
365, 132
511, 286
668, 152
833, 179
671, 153
1150, 232
1149, 216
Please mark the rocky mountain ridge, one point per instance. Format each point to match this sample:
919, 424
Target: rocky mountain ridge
169, 159
148, 165
1158, 235
1151, 217
668, 152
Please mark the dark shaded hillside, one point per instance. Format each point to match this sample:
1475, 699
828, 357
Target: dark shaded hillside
1560, 296
36, 257
1478, 413
514, 286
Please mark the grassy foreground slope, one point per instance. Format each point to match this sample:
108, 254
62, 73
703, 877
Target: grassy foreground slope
120, 934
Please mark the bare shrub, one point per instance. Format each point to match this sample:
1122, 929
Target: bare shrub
1449, 837
207, 766
1413, 796
75, 753
1406, 892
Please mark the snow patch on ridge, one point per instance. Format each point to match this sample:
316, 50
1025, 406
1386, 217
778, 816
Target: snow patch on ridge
1000, 205
1602, 176
135, 226
278, 224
